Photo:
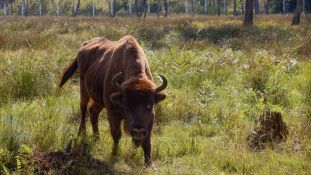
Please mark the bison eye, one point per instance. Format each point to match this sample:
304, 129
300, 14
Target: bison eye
149, 106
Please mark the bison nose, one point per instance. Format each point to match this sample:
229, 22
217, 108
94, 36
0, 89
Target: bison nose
139, 133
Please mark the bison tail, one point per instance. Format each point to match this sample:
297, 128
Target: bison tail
70, 71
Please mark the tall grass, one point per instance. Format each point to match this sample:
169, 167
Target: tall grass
221, 77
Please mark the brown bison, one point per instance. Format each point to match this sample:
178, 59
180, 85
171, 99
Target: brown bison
116, 75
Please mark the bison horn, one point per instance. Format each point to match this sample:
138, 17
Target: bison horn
163, 86
115, 84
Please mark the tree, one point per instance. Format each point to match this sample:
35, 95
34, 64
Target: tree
218, 7
26, 12
142, 7
225, 7
166, 7
145, 9
256, 6
12, 6
234, 7
158, 8
114, 9
77, 8
23, 3
136, 8
248, 20
192, 12
298, 11
285, 6
267, 7
7, 2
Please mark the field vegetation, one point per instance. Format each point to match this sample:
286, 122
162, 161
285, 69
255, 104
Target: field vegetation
221, 75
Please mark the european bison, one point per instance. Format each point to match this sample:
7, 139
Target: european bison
116, 75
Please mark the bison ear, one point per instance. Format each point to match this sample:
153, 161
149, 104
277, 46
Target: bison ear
117, 98
159, 97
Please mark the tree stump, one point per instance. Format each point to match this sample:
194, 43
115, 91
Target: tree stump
270, 129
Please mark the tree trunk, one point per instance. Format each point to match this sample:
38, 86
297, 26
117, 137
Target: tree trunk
12, 8
145, 8
218, 7
141, 8
256, 5
78, 8
158, 8
26, 10
166, 8
248, 20
136, 9
267, 7
225, 7
298, 11
19, 10
192, 11
114, 9
234, 7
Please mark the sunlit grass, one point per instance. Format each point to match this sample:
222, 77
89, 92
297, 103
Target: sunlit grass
221, 76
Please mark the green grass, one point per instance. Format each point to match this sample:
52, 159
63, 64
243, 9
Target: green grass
221, 77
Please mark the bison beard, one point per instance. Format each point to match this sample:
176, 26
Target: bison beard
102, 65
126, 128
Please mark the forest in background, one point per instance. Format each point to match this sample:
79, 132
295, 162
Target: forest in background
66, 7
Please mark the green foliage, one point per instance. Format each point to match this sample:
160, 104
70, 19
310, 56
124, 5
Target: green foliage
8, 161
24, 159
66, 7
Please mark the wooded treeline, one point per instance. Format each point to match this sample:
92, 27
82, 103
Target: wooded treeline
140, 7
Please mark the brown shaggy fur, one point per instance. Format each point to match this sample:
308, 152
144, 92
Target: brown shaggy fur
98, 60
139, 86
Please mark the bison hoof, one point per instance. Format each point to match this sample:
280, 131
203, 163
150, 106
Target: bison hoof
152, 166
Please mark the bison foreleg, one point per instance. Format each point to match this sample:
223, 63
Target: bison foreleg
147, 144
116, 136
115, 130
147, 150
96, 108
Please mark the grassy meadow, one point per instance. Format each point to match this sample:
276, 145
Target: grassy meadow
221, 75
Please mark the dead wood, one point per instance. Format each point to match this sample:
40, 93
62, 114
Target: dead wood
69, 160
270, 129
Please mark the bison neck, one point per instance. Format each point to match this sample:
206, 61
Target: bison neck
128, 57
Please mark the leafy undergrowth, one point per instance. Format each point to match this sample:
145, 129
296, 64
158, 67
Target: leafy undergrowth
221, 77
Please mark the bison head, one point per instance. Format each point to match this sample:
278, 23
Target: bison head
138, 96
